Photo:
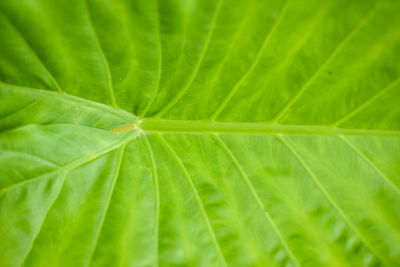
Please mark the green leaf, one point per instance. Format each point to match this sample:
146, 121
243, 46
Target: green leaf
199, 133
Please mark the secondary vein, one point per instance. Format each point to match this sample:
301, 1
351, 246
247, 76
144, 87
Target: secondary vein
196, 196
371, 163
328, 197
156, 196
36, 57
316, 74
103, 59
74, 164
252, 66
253, 191
182, 92
121, 153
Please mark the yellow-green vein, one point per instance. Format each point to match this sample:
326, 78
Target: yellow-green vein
196, 196
156, 195
36, 56
103, 58
159, 63
197, 66
52, 202
257, 198
316, 74
370, 162
117, 170
325, 193
252, 66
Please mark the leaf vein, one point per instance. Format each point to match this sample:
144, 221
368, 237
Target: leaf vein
116, 111
316, 74
70, 166
205, 127
103, 58
370, 162
357, 110
44, 160
53, 201
252, 66
35, 55
159, 63
325, 193
121, 153
195, 194
255, 195
156, 196
197, 66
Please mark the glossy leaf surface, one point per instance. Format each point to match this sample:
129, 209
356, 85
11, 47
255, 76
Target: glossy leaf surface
199, 133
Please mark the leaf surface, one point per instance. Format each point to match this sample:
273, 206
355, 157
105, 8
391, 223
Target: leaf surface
199, 133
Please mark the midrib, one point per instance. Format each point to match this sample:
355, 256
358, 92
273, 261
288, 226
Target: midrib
205, 127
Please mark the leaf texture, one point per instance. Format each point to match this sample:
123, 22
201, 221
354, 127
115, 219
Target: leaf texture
199, 133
